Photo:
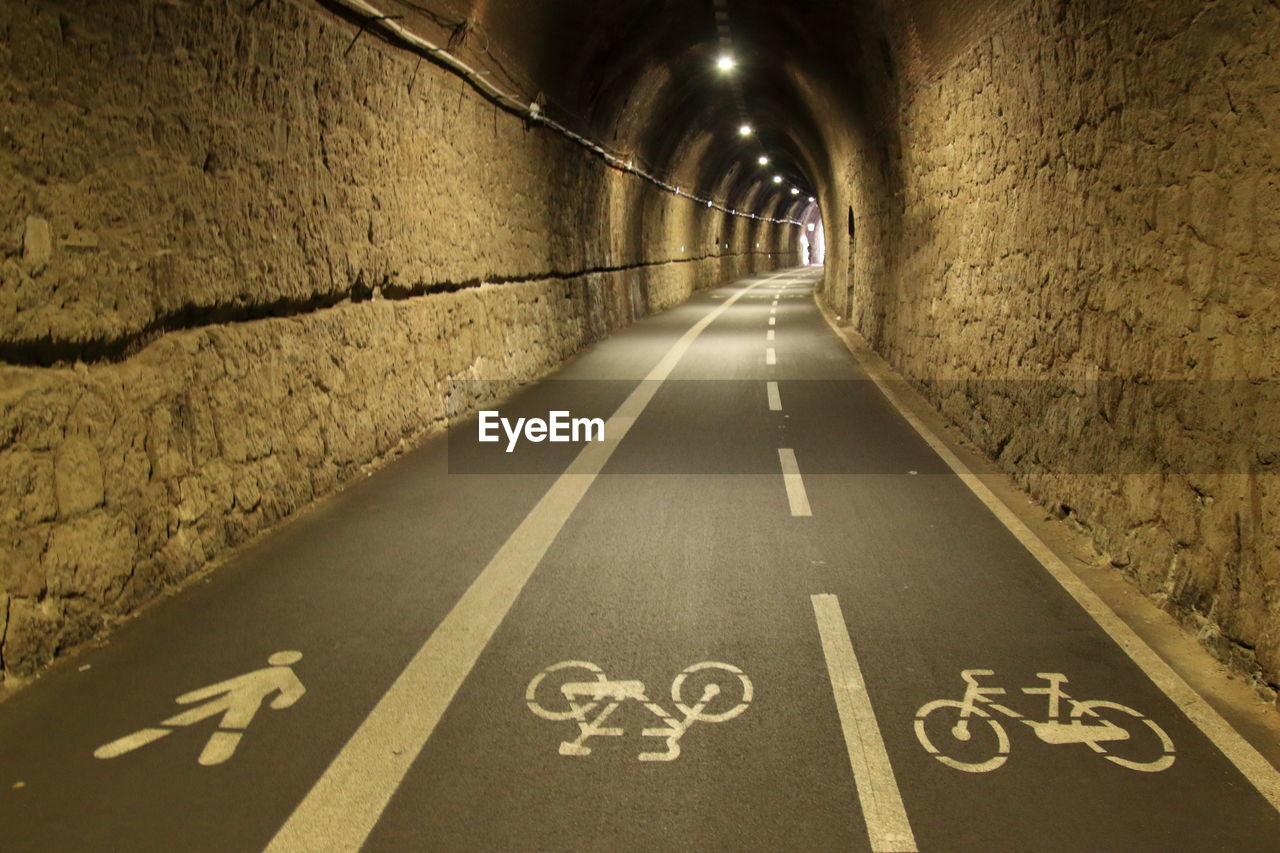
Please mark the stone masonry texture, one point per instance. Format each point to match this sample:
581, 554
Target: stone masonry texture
1076, 259
241, 258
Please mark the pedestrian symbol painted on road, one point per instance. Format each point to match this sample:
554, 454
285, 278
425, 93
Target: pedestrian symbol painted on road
707, 692
236, 699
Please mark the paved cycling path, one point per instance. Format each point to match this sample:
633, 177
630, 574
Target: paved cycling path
426, 600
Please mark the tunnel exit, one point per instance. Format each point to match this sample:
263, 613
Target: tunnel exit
813, 246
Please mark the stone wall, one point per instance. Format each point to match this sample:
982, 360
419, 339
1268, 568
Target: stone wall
240, 258
1080, 271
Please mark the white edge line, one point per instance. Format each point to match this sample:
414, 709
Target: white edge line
888, 827
1255, 767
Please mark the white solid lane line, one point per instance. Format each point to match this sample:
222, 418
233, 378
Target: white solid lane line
797, 497
345, 803
882, 808
775, 399
770, 357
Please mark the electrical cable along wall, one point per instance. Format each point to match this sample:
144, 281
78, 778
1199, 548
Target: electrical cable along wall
244, 252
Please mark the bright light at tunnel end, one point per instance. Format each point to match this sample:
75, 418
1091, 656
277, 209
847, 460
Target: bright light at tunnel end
726, 62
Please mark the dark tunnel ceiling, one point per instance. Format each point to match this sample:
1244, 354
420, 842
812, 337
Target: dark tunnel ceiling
640, 77
603, 59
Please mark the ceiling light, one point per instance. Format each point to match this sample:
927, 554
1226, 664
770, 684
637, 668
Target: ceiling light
725, 62
763, 160
745, 130
810, 199
777, 179
795, 191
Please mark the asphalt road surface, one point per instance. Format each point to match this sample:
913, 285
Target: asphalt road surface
762, 615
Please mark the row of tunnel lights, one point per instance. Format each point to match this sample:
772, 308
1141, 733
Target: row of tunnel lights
725, 64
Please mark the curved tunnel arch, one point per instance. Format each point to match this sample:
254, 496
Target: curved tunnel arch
641, 78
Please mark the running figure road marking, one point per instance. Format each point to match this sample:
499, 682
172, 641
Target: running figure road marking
576, 689
237, 699
944, 724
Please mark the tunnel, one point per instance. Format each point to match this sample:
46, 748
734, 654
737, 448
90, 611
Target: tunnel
563, 425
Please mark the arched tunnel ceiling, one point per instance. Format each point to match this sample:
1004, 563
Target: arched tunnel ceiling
620, 47
640, 77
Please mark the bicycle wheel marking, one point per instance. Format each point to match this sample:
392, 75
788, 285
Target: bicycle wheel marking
967, 734
580, 691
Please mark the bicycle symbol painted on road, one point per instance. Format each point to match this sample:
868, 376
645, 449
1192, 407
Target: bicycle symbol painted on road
707, 692
1117, 732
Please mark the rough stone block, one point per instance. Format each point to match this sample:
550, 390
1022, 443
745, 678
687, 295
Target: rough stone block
33, 634
37, 243
77, 476
89, 556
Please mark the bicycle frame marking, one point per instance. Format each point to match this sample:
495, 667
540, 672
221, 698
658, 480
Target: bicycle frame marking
1083, 726
590, 704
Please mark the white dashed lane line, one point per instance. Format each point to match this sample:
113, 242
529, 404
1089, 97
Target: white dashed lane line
797, 497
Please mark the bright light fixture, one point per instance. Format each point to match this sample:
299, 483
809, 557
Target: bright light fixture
763, 160
745, 130
777, 179
795, 191
725, 62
